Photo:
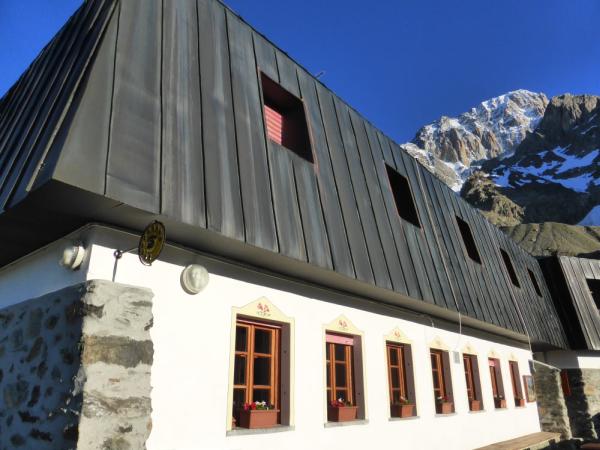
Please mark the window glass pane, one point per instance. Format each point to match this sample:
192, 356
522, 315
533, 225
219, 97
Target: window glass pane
340, 352
241, 339
436, 380
262, 341
393, 356
433, 362
239, 370
262, 371
395, 379
395, 396
327, 351
261, 395
341, 394
239, 398
328, 374
340, 375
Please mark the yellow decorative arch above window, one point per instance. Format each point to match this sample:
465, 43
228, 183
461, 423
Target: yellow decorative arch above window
262, 308
397, 335
468, 349
343, 325
493, 354
439, 344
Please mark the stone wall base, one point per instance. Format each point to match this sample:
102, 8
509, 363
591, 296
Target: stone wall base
583, 402
551, 404
75, 369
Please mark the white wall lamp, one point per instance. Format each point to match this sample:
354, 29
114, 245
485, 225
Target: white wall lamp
72, 256
194, 278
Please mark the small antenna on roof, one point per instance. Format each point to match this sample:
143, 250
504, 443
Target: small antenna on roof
320, 74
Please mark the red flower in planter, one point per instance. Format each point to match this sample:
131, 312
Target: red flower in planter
339, 403
258, 405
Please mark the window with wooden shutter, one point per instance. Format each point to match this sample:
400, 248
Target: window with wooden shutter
400, 380
256, 367
340, 365
285, 119
442, 384
515, 380
473, 382
345, 385
497, 384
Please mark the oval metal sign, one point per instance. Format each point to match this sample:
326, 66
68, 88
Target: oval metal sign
151, 243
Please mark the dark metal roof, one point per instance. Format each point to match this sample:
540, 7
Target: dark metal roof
568, 279
141, 109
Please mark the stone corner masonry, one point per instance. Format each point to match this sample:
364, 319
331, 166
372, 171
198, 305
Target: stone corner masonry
75, 369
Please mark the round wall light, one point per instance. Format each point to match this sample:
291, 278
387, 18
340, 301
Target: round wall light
194, 278
72, 257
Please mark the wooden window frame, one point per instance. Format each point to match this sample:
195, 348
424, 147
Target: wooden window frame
250, 355
473, 382
341, 330
497, 383
331, 363
440, 371
515, 380
400, 369
437, 370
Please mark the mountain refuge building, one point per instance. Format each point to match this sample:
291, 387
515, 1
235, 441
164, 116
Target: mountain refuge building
206, 248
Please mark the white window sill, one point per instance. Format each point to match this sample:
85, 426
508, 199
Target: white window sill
400, 419
346, 424
251, 431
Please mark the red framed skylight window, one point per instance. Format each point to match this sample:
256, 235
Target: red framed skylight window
285, 119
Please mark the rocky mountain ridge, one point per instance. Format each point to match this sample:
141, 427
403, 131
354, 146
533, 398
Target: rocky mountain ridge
523, 161
450, 145
554, 173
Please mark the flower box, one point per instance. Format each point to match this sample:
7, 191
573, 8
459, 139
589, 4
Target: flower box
341, 413
406, 410
258, 418
499, 403
475, 405
519, 402
444, 407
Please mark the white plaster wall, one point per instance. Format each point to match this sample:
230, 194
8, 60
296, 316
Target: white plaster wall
37, 274
572, 359
190, 375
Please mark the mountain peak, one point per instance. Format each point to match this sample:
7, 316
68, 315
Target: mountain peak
539, 158
493, 128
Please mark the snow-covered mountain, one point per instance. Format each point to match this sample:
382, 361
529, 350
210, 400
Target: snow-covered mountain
450, 146
554, 173
521, 158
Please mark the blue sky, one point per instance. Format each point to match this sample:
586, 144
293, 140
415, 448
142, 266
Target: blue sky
402, 63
